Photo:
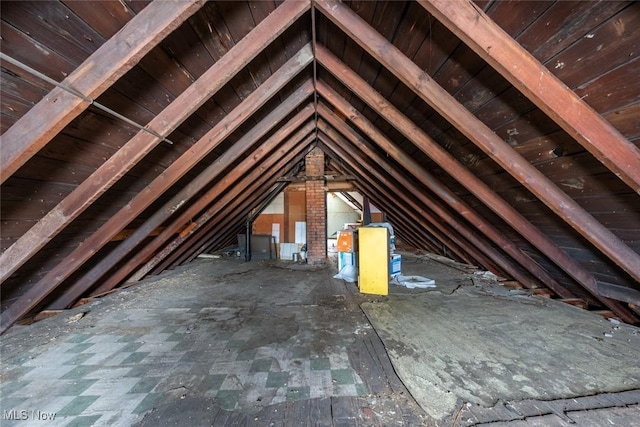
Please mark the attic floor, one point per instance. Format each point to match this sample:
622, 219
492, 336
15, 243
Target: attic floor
223, 342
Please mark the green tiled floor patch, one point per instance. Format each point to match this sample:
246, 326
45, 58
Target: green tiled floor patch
148, 357
138, 371
320, 364
298, 393
77, 406
131, 347
79, 359
170, 329
228, 399
80, 371
145, 385
233, 344
85, 421
78, 338
135, 357
277, 379
175, 337
79, 348
223, 335
300, 353
129, 337
151, 400
8, 388
261, 365
74, 387
212, 382
342, 376
247, 355
12, 403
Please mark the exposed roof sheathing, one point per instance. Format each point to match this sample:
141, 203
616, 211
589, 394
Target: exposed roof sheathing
138, 134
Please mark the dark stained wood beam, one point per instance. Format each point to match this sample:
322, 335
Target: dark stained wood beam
451, 199
429, 241
237, 211
197, 184
619, 292
250, 185
448, 163
163, 124
380, 187
477, 132
95, 75
416, 229
208, 175
159, 185
536, 82
472, 241
124, 234
414, 232
419, 234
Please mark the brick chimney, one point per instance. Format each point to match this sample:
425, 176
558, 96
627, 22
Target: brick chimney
316, 207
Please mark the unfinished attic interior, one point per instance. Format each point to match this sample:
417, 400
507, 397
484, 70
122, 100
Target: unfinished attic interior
148, 147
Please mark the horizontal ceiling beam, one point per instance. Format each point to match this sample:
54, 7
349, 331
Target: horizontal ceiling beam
536, 82
94, 76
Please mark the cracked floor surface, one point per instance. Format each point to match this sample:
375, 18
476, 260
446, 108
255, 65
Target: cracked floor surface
223, 342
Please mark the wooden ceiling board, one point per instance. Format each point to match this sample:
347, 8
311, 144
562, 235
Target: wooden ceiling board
105, 18
570, 38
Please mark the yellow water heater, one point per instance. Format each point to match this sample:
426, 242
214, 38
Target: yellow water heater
373, 259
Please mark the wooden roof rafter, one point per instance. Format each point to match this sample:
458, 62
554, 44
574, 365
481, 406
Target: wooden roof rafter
182, 198
209, 174
264, 172
456, 204
223, 225
523, 70
379, 117
376, 183
439, 99
494, 202
94, 76
177, 169
141, 144
414, 229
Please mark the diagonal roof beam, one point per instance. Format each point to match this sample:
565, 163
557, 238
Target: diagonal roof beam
450, 198
427, 240
210, 173
472, 240
95, 75
228, 220
448, 163
158, 186
258, 177
414, 230
462, 237
142, 143
480, 134
536, 82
